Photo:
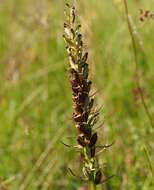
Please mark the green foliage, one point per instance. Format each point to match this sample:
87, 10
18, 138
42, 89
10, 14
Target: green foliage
35, 96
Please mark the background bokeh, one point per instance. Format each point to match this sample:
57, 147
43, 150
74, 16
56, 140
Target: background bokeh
35, 96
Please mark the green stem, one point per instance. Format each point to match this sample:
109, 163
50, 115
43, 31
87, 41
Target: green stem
92, 186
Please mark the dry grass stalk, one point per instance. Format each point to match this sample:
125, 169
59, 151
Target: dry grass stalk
137, 77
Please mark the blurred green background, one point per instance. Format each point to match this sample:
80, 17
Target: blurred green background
35, 96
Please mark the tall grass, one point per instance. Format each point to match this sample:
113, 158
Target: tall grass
35, 98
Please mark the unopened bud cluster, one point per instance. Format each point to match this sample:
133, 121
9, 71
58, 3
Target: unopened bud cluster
146, 14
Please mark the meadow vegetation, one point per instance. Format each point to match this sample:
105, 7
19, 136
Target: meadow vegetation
35, 95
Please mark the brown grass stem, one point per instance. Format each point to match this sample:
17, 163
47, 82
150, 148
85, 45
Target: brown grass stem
137, 78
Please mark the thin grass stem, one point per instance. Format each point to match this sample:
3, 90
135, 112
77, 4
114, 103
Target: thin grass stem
92, 186
137, 78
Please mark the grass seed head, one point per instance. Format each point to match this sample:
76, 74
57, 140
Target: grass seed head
83, 104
